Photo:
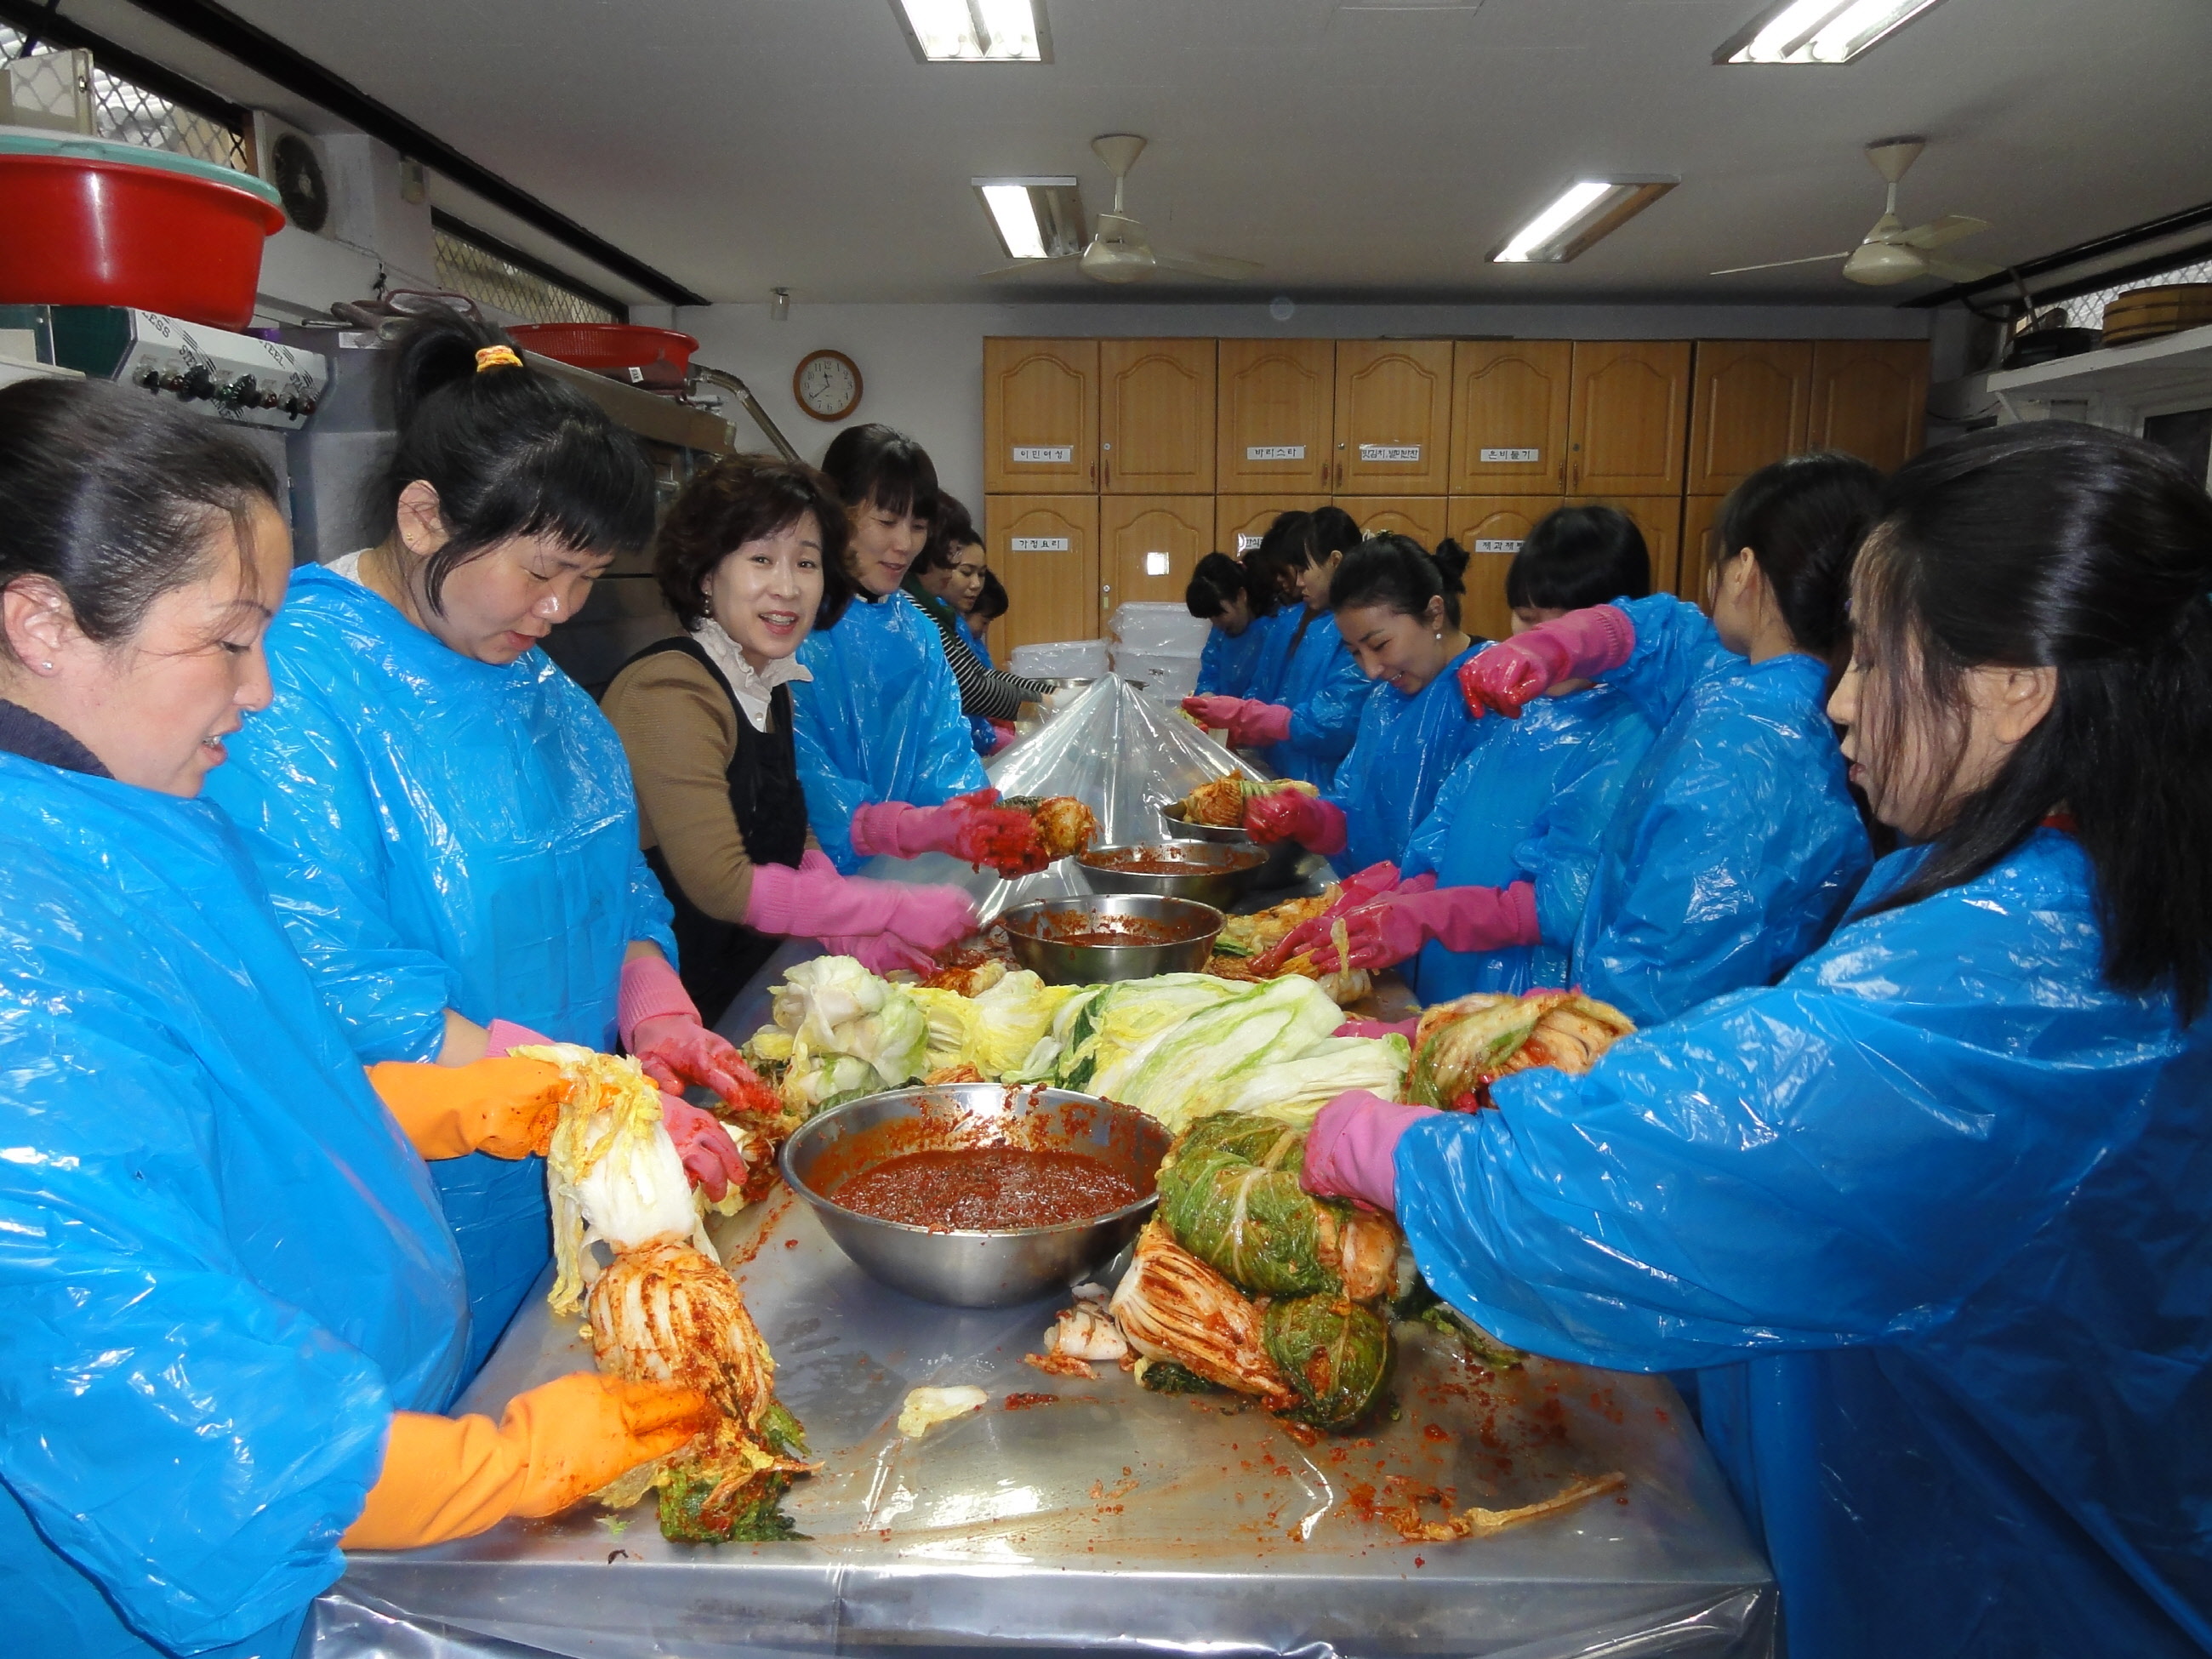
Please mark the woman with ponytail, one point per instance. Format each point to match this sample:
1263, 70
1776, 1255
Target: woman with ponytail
1397, 608
444, 818
1934, 1213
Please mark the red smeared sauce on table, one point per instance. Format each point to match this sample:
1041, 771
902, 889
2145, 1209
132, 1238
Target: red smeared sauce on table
988, 1188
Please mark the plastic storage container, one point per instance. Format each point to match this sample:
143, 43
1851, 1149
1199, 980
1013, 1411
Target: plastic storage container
1064, 659
91, 222
1158, 673
1159, 629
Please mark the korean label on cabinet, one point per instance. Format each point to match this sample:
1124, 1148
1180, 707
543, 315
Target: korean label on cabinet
1245, 541
1053, 544
1275, 452
1390, 453
1043, 454
1496, 545
1496, 457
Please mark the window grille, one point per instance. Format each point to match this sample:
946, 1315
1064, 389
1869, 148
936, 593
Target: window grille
123, 110
2088, 310
501, 286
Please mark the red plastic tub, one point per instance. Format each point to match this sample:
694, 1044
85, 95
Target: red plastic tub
661, 356
94, 223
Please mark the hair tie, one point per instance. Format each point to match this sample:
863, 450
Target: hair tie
496, 356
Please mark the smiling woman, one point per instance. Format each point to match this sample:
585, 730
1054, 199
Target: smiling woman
444, 818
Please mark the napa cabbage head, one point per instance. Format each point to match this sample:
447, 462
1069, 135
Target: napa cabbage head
833, 1006
1291, 1090
1195, 1068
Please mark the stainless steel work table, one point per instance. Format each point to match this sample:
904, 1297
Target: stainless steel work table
1077, 1516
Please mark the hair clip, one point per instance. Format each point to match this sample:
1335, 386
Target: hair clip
496, 356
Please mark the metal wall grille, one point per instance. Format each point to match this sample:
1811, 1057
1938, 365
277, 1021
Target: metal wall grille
2088, 310
492, 281
121, 110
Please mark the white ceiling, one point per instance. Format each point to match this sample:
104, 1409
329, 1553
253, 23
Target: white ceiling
1356, 153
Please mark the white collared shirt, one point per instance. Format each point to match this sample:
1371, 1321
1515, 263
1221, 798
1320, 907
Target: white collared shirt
752, 690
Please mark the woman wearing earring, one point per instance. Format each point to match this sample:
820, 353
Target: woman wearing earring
444, 818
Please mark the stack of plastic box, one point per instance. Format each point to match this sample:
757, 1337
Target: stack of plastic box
1156, 648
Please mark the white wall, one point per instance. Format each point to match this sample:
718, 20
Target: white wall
921, 365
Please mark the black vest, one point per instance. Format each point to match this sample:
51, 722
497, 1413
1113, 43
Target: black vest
717, 957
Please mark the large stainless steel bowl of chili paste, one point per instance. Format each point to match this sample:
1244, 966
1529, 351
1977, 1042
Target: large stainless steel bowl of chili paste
1003, 1193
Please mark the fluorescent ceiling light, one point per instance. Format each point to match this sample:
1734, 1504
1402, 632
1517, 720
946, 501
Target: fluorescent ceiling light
1819, 32
973, 31
1584, 211
1036, 218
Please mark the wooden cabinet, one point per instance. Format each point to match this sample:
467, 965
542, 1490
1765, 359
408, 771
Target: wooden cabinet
1045, 548
1148, 545
1040, 416
1700, 513
1239, 521
1508, 417
1156, 417
1628, 409
1421, 517
1393, 417
1660, 519
1748, 403
1492, 529
1870, 397
1275, 424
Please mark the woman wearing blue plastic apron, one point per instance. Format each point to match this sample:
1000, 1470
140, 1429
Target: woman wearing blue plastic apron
1397, 607
236, 1310
887, 758
444, 818
1309, 693
1231, 598
1934, 1213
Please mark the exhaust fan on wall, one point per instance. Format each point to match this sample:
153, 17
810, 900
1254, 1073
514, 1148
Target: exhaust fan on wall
1891, 253
1118, 251
297, 164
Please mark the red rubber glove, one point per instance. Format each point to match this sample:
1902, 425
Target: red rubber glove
710, 1157
659, 1026
1250, 725
1315, 824
815, 901
1379, 1028
1583, 644
1394, 928
1352, 1150
1353, 893
970, 827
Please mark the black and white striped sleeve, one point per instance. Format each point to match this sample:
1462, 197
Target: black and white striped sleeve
991, 693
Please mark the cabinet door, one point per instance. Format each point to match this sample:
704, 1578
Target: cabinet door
1660, 519
1870, 397
1626, 414
1278, 402
1747, 406
1156, 417
1701, 514
1239, 521
1510, 416
1492, 529
1148, 545
1421, 517
1045, 548
1393, 417
1041, 416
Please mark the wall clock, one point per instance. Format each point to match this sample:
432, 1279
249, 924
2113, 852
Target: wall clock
827, 385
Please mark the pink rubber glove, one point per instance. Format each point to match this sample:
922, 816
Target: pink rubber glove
1315, 824
1250, 725
1005, 735
1352, 1150
710, 1157
815, 901
970, 827
1354, 892
1394, 928
660, 1026
1583, 644
502, 1034
1379, 1028
882, 953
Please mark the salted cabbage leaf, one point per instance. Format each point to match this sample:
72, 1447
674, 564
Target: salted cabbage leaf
1336, 1352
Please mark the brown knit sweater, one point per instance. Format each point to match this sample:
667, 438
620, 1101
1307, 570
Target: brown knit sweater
680, 730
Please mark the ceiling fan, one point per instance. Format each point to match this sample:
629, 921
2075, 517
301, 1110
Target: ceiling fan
1118, 251
1890, 252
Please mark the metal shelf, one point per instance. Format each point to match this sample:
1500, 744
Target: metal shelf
2176, 365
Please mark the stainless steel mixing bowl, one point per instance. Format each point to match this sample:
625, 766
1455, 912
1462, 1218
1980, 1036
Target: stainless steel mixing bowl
1212, 873
1281, 869
1186, 930
974, 1269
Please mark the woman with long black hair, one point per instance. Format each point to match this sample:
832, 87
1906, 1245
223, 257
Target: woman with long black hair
1934, 1213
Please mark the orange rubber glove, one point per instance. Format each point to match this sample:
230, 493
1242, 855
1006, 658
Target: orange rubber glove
453, 1477
505, 1107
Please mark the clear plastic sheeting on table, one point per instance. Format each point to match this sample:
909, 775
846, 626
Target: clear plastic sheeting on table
1120, 753
1075, 1516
